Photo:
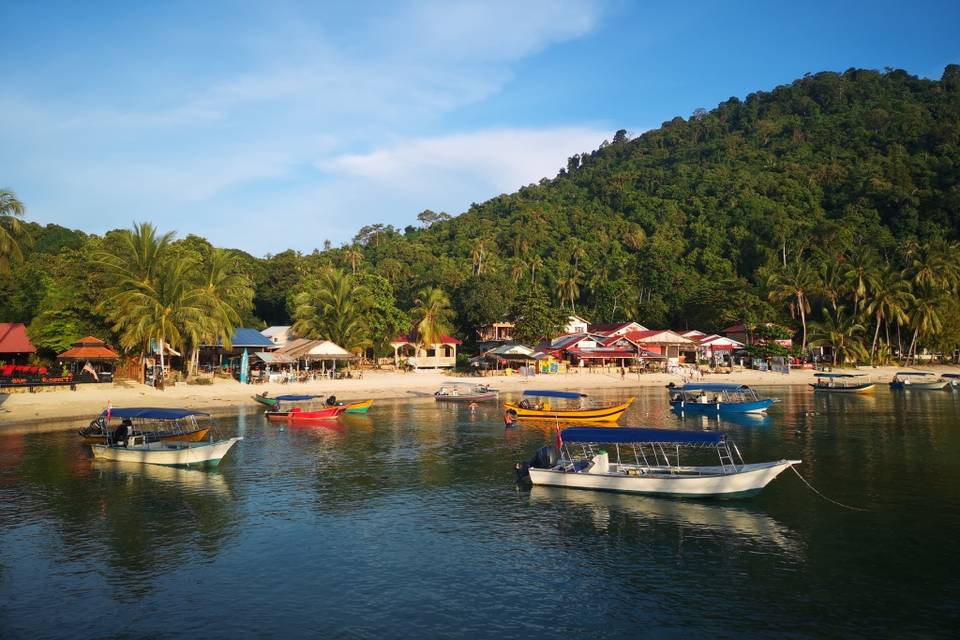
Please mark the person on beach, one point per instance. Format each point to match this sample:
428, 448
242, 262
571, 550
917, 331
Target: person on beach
623, 373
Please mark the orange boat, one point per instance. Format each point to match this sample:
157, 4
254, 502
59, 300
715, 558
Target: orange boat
528, 409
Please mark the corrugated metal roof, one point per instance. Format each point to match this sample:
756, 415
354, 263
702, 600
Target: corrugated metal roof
245, 337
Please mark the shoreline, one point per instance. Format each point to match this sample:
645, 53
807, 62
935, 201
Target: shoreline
64, 410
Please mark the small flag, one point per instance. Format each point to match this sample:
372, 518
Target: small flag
559, 440
109, 411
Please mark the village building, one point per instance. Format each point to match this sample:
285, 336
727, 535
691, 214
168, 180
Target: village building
90, 360
279, 336
663, 342
319, 356
495, 332
616, 328
742, 334
442, 354
15, 345
576, 324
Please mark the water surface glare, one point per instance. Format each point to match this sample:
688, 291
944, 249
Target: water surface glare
407, 523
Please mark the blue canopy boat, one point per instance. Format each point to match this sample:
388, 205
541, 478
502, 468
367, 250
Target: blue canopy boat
917, 380
643, 460
717, 399
954, 379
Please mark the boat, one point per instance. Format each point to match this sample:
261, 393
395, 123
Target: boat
651, 463
299, 415
329, 408
842, 383
717, 399
954, 379
180, 425
918, 381
531, 409
464, 392
357, 407
137, 448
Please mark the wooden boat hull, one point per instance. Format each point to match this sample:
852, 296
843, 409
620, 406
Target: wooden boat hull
327, 413
474, 397
711, 484
167, 453
721, 408
939, 385
866, 387
357, 407
598, 414
266, 401
189, 436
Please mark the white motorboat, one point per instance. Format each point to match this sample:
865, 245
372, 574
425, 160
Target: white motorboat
137, 448
918, 381
653, 464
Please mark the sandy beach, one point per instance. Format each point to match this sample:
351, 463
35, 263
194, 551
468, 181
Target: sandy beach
66, 409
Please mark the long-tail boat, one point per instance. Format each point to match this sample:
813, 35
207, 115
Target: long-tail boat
842, 383
532, 408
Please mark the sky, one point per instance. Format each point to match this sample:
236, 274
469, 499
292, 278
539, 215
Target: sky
267, 126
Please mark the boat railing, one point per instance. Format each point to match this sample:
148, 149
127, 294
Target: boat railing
727, 452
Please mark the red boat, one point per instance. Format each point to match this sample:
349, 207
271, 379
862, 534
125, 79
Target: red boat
326, 413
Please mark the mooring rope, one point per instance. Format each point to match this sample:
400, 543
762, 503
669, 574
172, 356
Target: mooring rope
814, 489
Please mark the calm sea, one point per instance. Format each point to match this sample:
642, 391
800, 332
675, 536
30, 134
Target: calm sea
407, 523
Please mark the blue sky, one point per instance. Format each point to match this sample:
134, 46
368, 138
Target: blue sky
273, 125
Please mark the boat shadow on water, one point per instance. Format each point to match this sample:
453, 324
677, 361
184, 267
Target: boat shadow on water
202, 481
712, 422
722, 520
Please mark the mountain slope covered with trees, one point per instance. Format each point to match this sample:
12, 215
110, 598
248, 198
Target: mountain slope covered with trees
831, 204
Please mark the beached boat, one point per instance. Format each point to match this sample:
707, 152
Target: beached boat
842, 383
180, 425
650, 463
717, 399
137, 448
953, 378
532, 408
464, 392
918, 381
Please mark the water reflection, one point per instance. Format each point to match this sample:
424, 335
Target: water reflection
717, 519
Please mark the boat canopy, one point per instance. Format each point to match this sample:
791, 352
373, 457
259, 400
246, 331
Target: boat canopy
914, 373
634, 435
554, 394
839, 375
713, 386
952, 376
153, 413
294, 398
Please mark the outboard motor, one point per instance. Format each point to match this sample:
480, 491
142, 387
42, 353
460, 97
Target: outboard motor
546, 457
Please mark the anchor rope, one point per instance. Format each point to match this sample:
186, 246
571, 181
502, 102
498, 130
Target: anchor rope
814, 489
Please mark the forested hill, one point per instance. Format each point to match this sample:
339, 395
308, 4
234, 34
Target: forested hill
828, 188
684, 223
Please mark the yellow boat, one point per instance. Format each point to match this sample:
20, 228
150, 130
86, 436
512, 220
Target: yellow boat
525, 410
358, 407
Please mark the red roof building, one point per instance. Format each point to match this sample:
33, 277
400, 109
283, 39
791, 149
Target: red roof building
14, 340
442, 354
89, 348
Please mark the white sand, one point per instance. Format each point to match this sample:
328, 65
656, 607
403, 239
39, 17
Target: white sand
65, 409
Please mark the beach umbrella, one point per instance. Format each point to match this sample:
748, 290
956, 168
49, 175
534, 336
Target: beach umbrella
244, 364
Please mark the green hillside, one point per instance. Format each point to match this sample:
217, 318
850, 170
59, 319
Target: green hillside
837, 196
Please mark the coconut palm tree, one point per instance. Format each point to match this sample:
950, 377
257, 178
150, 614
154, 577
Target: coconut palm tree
354, 256
11, 210
842, 332
858, 270
226, 292
477, 254
830, 282
536, 262
925, 314
888, 299
432, 316
568, 289
327, 308
794, 284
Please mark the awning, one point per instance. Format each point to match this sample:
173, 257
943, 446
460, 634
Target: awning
153, 413
624, 435
712, 386
274, 358
554, 394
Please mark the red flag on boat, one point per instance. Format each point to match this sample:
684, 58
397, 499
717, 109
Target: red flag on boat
559, 440
109, 411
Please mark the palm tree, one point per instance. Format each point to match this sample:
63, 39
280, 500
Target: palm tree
139, 299
477, 255
842, 332
830, 282
925, 315
432, 316
354, 256
857, 273
517, 271
568, 289
169, 310
226, 292
794, 283
535, 263
327, 309
11, 210
889, 299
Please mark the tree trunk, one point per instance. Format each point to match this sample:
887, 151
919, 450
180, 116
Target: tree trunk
913, 345
803, 321
876, 334
161, 365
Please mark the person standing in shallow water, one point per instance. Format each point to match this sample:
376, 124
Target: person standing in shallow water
623, 373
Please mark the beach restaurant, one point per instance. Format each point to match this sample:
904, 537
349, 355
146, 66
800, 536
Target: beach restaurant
90, 360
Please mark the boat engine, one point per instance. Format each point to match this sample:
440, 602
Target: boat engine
546, 457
